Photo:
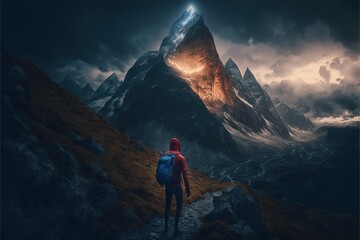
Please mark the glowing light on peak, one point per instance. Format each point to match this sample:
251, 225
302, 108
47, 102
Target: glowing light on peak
191, 8
185, 70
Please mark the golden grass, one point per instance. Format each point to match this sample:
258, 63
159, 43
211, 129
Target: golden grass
55, 113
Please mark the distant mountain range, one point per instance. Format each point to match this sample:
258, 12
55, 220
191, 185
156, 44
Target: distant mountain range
95, 99
293, 117
184, 90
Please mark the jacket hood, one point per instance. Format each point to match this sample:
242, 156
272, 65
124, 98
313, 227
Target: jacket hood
175, 144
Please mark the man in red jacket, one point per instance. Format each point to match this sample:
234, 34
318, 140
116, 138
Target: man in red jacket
174, 187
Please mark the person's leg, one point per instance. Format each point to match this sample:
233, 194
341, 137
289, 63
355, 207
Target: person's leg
179, 199
168, 200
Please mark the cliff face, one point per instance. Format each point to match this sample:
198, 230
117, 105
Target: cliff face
197, 60
155, 104
236, 101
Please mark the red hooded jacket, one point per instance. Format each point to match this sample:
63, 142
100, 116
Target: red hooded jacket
180, 164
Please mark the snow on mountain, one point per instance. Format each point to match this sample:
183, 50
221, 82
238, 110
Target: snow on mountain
187, 72
135, 74
265, 106
292, 116
235, 75
178, 31
103, 93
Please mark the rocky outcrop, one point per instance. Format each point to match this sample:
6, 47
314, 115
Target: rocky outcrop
242, 211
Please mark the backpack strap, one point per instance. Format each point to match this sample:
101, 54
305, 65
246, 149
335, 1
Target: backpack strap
173, 159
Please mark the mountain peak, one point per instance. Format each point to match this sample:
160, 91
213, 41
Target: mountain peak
112, 78
248, 73
230, 62
233, 69
179, 30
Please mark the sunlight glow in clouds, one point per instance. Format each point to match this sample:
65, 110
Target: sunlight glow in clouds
320, 77
270, 65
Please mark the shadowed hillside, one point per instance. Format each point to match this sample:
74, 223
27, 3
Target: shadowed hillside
65, 172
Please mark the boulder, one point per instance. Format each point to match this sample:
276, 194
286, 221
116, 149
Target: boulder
242, 211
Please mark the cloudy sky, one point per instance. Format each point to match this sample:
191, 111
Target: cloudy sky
308, 51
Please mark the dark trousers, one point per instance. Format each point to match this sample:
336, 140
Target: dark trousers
170, 190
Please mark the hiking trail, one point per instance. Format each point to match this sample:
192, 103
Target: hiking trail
189, 223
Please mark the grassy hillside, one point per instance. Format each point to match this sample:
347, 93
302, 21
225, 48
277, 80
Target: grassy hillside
57, 118
130, 165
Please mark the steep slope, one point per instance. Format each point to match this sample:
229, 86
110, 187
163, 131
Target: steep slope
291, 116
265, 106
157, 84
195, 58
66, 173
103, 93
235, 75
155, 104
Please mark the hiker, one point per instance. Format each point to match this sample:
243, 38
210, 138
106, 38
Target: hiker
173, 185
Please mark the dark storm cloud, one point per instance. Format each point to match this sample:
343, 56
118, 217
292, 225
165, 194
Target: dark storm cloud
111, 35
104, 34
285, 23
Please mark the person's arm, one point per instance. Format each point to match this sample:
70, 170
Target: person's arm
185, 176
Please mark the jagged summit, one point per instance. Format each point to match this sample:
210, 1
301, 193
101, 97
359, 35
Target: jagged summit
248, 73
179, 30
112, 77
104, 92
230, 62
233, 68
251, 82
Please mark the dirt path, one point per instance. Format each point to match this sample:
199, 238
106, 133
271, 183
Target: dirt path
190, 221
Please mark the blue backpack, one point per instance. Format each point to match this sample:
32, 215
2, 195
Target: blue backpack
164, 171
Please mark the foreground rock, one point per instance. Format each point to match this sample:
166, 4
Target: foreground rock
242, 211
